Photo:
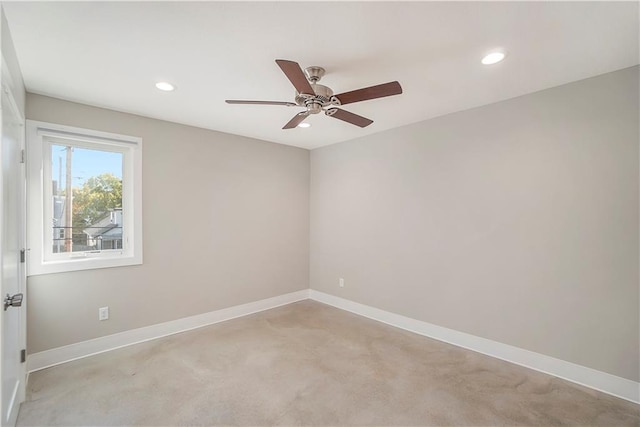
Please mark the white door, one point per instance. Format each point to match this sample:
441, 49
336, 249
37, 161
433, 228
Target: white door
13, 280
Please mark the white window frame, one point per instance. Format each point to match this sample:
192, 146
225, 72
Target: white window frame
42, 260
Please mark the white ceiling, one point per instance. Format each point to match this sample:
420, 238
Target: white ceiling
111, 54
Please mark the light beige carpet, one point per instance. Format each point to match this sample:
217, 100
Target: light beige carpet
308, 364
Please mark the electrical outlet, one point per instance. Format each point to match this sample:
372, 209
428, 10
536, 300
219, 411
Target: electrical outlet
341, 282
103, 313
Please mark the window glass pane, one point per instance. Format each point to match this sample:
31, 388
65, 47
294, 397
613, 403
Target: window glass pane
92, 219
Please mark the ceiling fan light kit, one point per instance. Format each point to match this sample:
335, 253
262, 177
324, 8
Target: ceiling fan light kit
165, 86
317, 98
493, 57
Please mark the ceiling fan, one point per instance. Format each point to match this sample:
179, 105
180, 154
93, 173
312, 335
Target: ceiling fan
316, 97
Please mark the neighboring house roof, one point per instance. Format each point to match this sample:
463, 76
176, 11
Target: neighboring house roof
108, 227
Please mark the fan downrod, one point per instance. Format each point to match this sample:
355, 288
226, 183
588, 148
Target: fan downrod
314, 73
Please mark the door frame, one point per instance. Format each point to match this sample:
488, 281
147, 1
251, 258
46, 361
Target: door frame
7, 92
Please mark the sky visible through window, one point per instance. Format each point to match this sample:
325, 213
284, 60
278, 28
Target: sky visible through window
85, 163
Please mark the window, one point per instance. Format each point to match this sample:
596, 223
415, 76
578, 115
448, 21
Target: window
84, 199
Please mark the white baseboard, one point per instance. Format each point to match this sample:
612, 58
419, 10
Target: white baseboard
56, 356
598, 380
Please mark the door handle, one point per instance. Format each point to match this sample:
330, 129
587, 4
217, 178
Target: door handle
12, 301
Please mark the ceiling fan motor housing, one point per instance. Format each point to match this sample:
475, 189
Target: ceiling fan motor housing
322, 96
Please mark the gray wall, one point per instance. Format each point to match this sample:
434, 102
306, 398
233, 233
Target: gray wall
516, 222
226, 222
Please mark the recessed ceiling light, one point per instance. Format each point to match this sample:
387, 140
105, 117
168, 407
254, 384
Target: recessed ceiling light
304, 125
165, 86
493, 58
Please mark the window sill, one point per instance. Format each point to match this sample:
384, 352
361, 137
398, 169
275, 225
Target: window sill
80, 264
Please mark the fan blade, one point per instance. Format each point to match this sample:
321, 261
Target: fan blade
348, 117
297, 119
295, 75
372, 92
238, 101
